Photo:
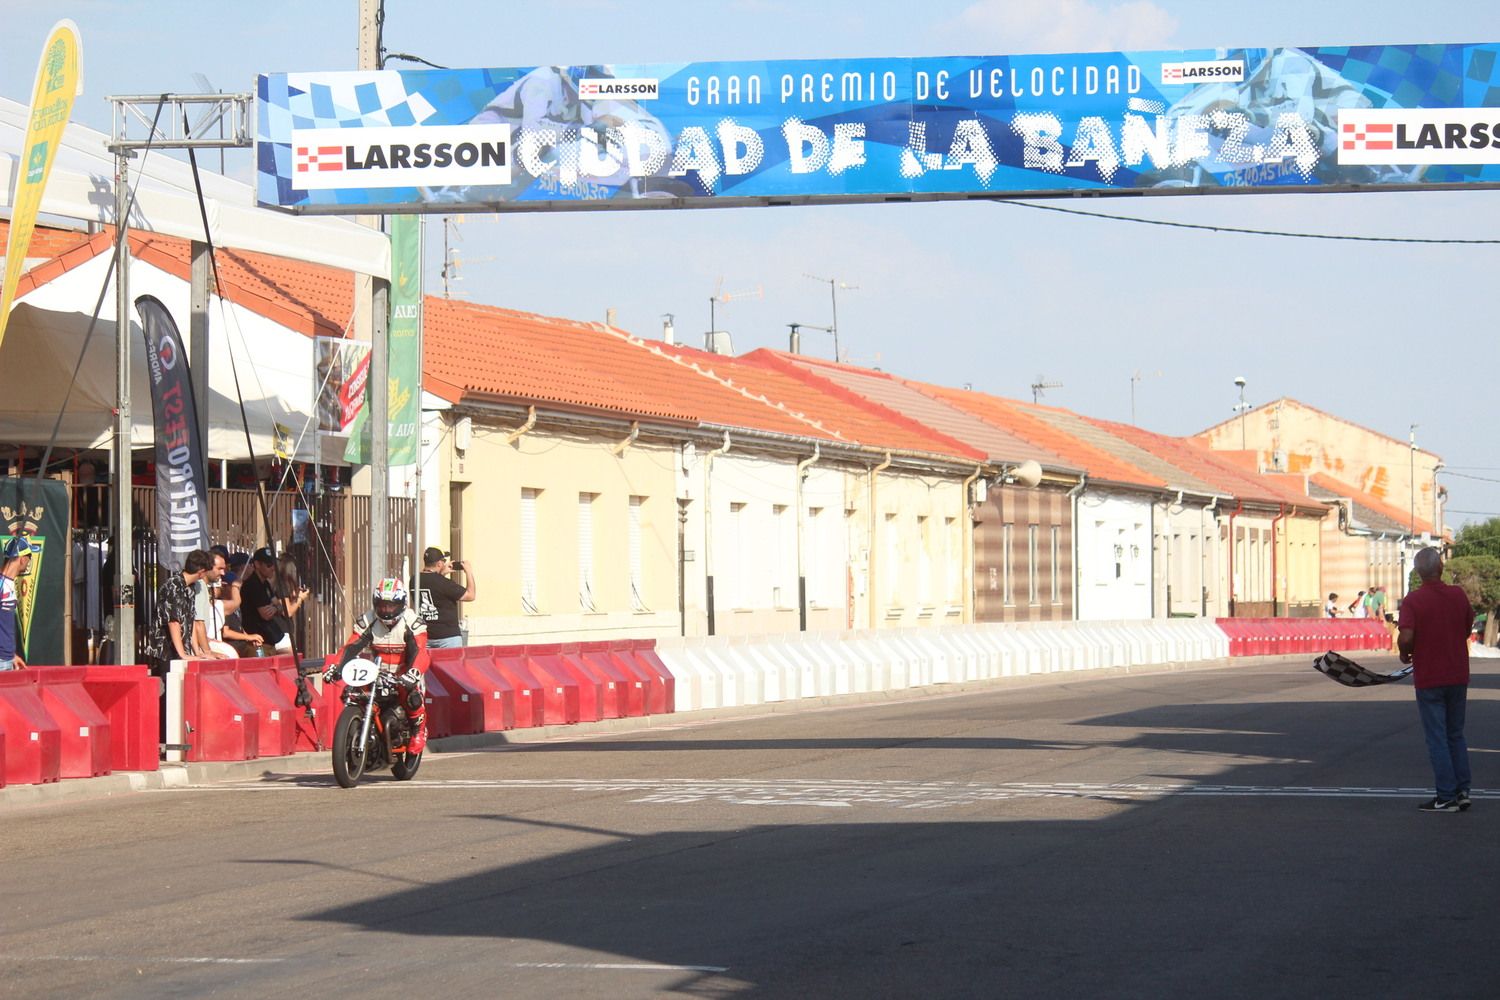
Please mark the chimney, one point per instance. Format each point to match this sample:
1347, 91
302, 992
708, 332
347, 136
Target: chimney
717, 342
609, 317
795, 344
668, 332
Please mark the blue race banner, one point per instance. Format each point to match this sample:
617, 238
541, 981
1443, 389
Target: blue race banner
711, 134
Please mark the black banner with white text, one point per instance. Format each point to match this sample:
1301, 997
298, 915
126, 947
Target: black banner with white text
181, 480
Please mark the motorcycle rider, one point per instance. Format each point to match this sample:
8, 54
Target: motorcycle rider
397, 638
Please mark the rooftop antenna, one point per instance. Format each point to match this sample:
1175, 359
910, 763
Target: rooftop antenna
1040, 386
452, 261
1133, 380
833, 290
719, 295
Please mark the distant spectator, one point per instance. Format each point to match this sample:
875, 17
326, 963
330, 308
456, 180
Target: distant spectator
171, 635
1331, 608
1357, 606
16, 563
1436, 619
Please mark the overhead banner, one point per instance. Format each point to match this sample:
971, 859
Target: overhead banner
59, 79
181, 480
39, 509
709, 134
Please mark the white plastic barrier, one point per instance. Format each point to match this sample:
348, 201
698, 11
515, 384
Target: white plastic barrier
720, 672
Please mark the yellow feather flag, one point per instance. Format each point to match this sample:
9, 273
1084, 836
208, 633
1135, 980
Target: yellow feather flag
59, 79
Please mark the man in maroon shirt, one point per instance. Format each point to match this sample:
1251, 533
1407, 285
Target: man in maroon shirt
1434, 630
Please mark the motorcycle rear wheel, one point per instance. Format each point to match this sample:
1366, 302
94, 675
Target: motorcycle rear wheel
405, 769
348, 763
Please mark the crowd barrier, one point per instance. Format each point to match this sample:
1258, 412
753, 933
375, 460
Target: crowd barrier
1279, 636
76, 722
721, 672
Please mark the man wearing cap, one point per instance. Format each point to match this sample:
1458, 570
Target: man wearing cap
17, 562
438, 597
263, 610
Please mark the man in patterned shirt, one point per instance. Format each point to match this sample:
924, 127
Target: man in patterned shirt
171, 636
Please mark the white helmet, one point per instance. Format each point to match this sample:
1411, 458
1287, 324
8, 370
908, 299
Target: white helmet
389, 600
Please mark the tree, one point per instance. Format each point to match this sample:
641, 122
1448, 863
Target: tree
1478, 539
1479, 576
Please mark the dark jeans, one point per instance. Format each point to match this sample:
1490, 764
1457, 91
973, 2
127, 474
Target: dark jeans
1443, 710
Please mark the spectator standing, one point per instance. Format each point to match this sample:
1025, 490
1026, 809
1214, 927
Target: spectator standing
1331, 606
1357, 606
438, 597
17, 563
1435, 622
171, 635
263, 608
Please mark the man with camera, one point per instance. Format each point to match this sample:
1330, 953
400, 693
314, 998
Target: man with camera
438, 597
263, 608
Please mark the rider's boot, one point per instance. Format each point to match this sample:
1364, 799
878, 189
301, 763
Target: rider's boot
418, 741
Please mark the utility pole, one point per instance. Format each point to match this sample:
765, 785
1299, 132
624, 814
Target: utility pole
1413, 477
1242, 408
378, 394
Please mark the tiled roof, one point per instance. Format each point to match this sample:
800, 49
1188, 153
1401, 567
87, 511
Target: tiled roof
1084, 430
46, 241
1074, 450
310, 298
1206, 465
1371, 511
988, 441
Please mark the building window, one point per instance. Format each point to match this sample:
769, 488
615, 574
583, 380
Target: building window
778, 556
1031, 566
739, 570
924, 563
1056, 565
586, 551
892, 562
953, 562
529, 602
637, 574
1008, 564
812, 555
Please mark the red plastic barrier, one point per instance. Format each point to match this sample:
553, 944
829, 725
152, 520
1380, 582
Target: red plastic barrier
83, 729
130, 699
278, 715
563, 691
561, 661
644, 652
33, 741
2, 756
439, 706
623, 693
223, 723
645, 682
480, 662
482, 685
538, 702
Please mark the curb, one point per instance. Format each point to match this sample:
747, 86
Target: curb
14, 797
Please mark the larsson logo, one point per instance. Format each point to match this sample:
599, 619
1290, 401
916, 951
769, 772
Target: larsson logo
1404, 136
412, 156
1219, 71
622, 89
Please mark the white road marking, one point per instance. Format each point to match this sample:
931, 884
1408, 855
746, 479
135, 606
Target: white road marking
837, 794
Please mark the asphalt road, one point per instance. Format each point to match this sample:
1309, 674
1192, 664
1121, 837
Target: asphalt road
1229, 832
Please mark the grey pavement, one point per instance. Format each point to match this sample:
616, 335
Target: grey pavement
1237, 830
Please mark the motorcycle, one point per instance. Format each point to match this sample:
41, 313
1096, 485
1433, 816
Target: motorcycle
373, 728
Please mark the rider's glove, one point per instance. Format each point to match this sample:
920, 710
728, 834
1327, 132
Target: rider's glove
411, 678
331, 673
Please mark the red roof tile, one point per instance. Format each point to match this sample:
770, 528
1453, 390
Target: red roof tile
1379, 506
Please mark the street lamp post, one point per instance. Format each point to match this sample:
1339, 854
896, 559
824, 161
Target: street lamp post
1413, 477
1241, 408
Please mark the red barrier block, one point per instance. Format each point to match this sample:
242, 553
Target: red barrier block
2, 756
624, 695
647, 688
33, 741
480, 685
533, 694
278, 714
480, 662
222, 722
1234, 633
439, 706
82, 728
564, 688
130, 699
644, 653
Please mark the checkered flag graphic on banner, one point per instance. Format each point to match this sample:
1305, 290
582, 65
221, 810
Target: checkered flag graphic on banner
1351, 674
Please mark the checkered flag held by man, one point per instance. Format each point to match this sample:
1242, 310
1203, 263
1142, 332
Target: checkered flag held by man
1351, 674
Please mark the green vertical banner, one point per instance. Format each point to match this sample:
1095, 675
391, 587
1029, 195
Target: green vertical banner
40, 510
405, 337
403, 351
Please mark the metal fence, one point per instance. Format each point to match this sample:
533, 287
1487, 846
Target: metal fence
325, 541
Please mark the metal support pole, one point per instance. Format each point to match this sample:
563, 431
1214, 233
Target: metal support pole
124, 549
198, 336
380, 428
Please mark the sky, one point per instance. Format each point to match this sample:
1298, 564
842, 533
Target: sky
981, 294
